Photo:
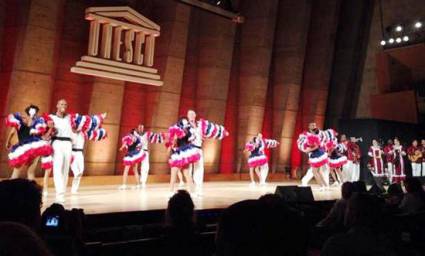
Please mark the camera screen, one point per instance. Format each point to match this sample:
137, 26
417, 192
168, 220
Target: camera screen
52, 221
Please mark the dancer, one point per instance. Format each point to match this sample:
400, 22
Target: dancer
77, 158
415, 156
389, 159
183, 152
337, 160
202, 129
398, 152
353, 156
147, 137
63, 125
311, 142
257, 160
376, 163
135, 154
30, 131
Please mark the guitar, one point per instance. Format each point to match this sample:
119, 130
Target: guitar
416, 156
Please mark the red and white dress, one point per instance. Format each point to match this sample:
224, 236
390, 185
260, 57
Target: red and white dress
30, 144
376, 155
399, 167
335, 150
318, 157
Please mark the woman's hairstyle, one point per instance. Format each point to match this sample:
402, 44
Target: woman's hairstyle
31, 110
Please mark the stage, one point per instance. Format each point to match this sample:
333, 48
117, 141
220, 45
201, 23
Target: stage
96, 199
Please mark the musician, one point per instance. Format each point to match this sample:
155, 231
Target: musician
423, 156
398, 153
389, 158
353, 155
415, 156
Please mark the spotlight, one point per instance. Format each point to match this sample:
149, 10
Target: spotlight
218, 2
405, 38
398, 40
383, 42
418, 24
399, 28
391, 40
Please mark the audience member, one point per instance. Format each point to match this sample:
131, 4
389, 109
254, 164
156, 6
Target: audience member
335, 219
181, 235
363, 237
393, 198
19, 240
359, 187
414, 200
260, 227
20, 202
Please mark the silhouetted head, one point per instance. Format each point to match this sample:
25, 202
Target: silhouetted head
180, 211
20, 201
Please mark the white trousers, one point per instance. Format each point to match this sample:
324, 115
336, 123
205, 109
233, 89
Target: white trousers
390, 171
198, 171
416, 169
144, 169
264, 171
77, 168
352, 171
423, 168
309, 175
62, 151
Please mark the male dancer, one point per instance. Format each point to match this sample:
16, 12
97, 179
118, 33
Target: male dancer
310, 142
415, 156
201, 129
146, 138
77, 163
64, 123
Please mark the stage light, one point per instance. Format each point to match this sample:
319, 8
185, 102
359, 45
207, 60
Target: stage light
398, 40
391, 40
399, 28
383, 42
405, 38
418, 24
218, 2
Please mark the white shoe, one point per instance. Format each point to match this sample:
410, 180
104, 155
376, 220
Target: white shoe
74, 191
143, 185
45, 193
181, 184
263, 183
335, 184
252, 184
123, 187
170, 194
137, 187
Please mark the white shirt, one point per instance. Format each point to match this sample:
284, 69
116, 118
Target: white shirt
197, 132
78, 140
144, 141
62, 126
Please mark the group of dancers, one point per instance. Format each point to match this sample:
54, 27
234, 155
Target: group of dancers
341, 159
57, 141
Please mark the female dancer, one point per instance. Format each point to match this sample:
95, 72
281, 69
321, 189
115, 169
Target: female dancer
29, 130
337, 159
183, 152
257, 161
134, 156
398, 152
376, 155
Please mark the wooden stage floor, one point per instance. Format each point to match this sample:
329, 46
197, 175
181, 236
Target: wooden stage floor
97, 199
